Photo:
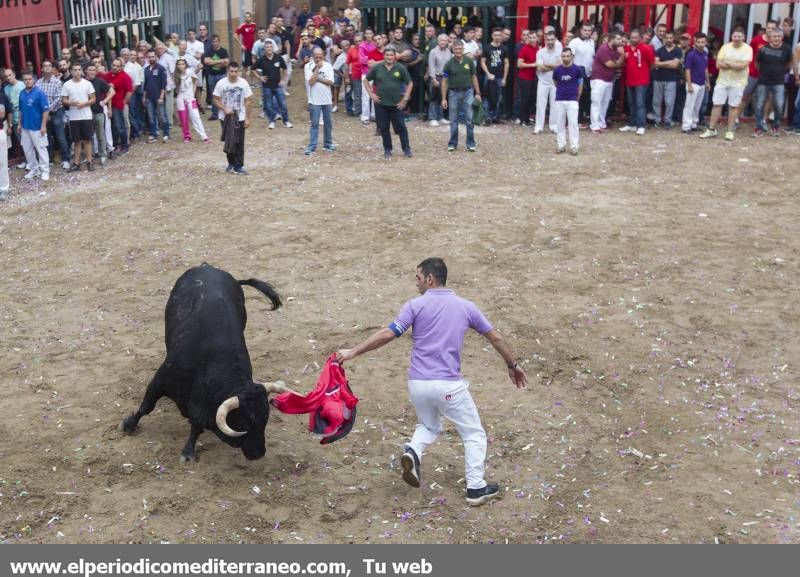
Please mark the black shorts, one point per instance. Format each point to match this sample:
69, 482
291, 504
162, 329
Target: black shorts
81, 130
247, 58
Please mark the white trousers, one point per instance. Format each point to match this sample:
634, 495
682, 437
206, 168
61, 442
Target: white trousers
567, 114
691, 109
288, 62
3, 160
451, 399
545, 94
35, 147
601, 92
109, 134
190, 104
367, 106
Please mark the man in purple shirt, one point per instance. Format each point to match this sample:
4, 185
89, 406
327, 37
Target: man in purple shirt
440, 319
568, 79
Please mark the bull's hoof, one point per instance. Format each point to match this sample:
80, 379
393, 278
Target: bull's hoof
127, 426
188, 459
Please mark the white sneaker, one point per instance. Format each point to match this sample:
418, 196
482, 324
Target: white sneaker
640, 131
286, 93
45, 176
278, 116
271, 125
627, 129
288, 125
334, 109
65, 165
23, 165
434, 123
445, 121
33, 173
165, 139
262, 115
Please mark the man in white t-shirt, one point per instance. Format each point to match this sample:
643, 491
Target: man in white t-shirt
583, 51
319, 79
78, 95
232, 96
548, 58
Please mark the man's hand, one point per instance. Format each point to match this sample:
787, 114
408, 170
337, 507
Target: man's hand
375, 98
444, 104
247, 123
228, 111
490, 76
690, 87
517, 376
343, 355
478, 98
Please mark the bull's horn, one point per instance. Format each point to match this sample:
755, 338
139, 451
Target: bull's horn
222, 414
276, 387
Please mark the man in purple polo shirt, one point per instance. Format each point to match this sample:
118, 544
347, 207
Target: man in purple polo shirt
440, 319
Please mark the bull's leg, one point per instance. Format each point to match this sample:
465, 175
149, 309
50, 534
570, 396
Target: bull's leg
188, 455
155, 390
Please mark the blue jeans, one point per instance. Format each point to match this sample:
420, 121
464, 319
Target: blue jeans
434, 100
136, 112
57, 126
118, 130
355, 96
316, 110
778, 95
637, 98
267, 95
494, 97
213, 78
796, 119
157, 111
459, 103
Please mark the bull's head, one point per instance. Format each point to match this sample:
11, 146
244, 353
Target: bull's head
242, 419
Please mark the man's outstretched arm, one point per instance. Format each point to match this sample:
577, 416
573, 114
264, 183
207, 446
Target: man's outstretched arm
374, 341
515, 372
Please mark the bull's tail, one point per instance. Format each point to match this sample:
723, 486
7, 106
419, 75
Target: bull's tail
265, 288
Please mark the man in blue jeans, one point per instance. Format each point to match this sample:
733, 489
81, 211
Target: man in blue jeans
459, 88
155, 84
639, 59
439, 320
270, 69
773, 61
319, 77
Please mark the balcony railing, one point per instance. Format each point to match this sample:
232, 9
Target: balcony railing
85, 13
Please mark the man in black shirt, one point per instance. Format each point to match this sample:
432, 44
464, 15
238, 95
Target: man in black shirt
215, 64
494, 62
104, 92
270, 69
772, 61
666, 73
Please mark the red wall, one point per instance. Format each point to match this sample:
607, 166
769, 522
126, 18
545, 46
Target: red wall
20, 14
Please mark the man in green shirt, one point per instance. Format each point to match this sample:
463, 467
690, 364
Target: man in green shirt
393, 88
459, 88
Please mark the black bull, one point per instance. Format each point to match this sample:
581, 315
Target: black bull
207, 370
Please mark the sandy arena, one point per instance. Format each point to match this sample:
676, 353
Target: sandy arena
648, 285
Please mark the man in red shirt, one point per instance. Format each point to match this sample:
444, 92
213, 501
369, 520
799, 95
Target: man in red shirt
322, 19
526, 74
757, 43
353, 62
245, 36
639, 59
123, 90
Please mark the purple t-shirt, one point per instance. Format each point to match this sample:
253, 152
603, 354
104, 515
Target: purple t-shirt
568, 79
696, 62
439, 319
599, 69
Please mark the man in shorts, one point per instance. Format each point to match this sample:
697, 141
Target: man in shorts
439, 320
78, 94
733, 61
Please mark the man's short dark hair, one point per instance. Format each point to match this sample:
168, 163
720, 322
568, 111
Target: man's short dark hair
699, 35
436, 267
191, 30
233, 64
215, 37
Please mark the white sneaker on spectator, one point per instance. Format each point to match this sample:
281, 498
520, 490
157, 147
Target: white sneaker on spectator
627, 128
65, 165
23, 165
262, 115
271, 125
334, 109
640, 131
45, 176
288, 124
434, 123
33, 173
444, 121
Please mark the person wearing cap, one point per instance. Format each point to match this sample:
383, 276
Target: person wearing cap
439, 320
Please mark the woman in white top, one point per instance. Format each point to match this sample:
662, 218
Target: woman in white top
185, 85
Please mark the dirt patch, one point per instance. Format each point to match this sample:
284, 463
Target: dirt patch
649, 285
